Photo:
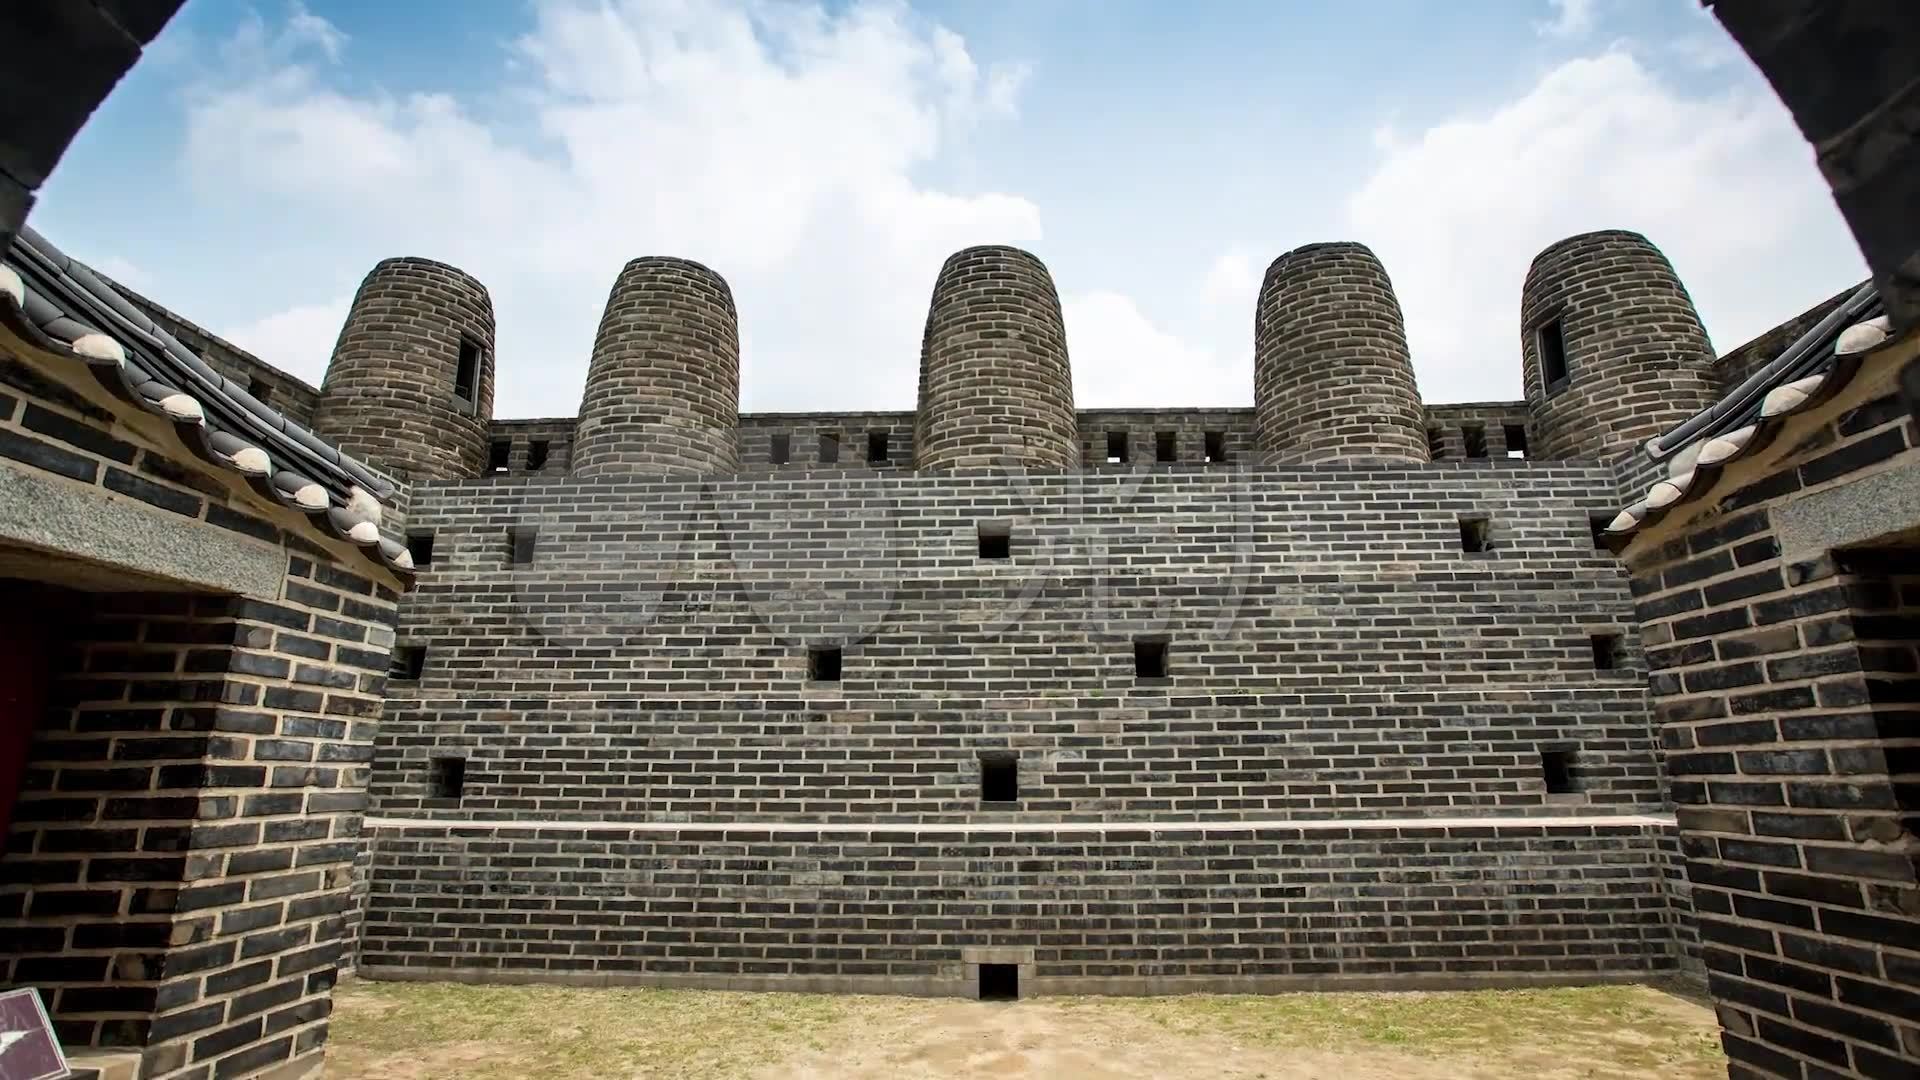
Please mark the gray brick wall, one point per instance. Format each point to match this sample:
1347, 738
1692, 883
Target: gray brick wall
1784, 687
175, 876
1637, 358
651, 660
996, 389
391, 394
1107, 909
663, 389
1332, 379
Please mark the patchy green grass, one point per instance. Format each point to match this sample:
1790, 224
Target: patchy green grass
417, 1031
1628, 1030
422, 1030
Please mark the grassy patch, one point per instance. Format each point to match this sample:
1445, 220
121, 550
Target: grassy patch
404, 1031
1629, 1027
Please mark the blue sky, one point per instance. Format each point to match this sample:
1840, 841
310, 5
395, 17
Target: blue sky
825, 157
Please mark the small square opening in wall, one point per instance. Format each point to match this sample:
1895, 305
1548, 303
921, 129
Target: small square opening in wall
499, 454
259, 389
780, 449
876, 447
407, 662
823, 664
466, 374
999, 982
420, 546
996, 540
1166, 448
829, 447
1561, 770
1597, 525
1215, 444
521, 542
1150, 658
1550, 341
1475, 436
999, 778
1476, 533
1116, 447
537, 455
1609, 652
1516, 439
447, 777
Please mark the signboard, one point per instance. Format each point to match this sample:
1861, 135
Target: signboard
28, 1050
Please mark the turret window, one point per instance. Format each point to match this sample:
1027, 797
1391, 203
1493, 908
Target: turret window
779, 449
1165, 447
1475, 437
1516, 437
466, 375
499, 455
1216, 447
1551, 343
537, 455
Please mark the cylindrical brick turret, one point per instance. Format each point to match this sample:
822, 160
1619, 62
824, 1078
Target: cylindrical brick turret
1614, 353
996, 390
410, 385
663, 390
1332, 380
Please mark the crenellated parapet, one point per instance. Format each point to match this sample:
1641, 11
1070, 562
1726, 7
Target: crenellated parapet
1614, 352
996, 390
663, 389
410, 385
1332, 378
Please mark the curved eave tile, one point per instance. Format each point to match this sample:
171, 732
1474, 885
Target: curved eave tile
109, 364
1696, 472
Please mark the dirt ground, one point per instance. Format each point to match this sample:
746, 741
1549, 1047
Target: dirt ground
413, 1031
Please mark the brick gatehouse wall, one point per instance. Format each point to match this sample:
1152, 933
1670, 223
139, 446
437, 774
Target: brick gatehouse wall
1102, 908
1783, 633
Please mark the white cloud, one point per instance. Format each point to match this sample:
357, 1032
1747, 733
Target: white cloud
1233, 281
124, 271
778, 143
1122, 360
298, 340
1571, 18
1724, 184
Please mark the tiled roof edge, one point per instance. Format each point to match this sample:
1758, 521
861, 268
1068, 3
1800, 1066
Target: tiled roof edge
63, 311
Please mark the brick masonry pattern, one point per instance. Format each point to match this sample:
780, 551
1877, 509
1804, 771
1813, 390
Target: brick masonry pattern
651, 658
996, 389
880, 908
663, 390
389, 395
1332, 379
1785, 691
176, 876
1638, 360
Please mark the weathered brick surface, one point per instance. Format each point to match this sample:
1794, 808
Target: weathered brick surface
1638, 360
541, 447
389, 392
651, 660
175, 875
1332, 379
663, 390
1471, 431
1785, 685
1107, 908
996, 389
